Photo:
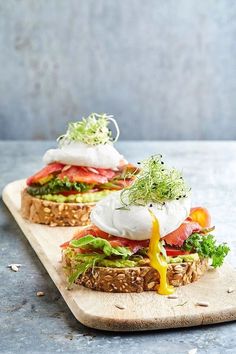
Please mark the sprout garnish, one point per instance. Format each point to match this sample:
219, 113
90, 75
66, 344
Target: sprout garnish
155, 184
92, 130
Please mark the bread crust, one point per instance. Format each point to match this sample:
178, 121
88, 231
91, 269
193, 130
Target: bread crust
54, 214
139, 279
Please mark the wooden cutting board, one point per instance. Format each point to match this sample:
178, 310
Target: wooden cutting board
128, 312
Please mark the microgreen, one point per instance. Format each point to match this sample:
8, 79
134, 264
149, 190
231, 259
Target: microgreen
92, 130
155, 183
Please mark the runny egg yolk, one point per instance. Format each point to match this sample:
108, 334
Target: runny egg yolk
157, 260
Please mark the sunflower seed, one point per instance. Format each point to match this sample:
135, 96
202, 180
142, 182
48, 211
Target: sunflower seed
120, 307
14, 267
202, 303
230, 290
40, 293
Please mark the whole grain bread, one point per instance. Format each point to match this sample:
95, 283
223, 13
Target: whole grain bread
138, 279
54, 214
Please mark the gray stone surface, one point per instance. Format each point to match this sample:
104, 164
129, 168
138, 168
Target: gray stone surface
29, 324
165, 69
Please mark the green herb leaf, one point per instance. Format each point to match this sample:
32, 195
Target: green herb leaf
155, 183
205, 246
90, 241
83, 263
56, 185
92, 130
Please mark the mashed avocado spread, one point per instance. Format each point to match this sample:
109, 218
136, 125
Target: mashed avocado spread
76, 198
183, 258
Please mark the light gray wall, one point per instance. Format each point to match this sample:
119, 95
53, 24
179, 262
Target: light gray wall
166, 69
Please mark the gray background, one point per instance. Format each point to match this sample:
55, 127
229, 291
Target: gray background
165, 69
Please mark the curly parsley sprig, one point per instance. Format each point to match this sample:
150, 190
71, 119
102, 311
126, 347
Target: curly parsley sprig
92, 130
155, 183
206, 247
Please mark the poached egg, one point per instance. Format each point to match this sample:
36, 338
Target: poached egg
81, 154
135, 223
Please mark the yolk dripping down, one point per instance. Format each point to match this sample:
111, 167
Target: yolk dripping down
157, 260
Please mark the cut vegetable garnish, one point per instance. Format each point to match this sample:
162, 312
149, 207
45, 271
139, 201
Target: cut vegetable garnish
201, 216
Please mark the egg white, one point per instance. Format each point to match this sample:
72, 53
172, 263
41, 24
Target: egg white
80, 154
135, 223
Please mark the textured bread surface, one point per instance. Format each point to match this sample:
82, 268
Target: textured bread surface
54, 214
138, 279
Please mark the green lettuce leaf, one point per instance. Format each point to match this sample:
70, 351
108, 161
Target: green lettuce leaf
90, 241
205, 246
56, 185
82, 262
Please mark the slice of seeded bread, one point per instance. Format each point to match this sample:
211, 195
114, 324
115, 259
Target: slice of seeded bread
54, 214
138, 279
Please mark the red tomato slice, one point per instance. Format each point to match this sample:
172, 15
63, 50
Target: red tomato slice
47, 170
174, 252
177, 237
201, 216
66, 193
82, 174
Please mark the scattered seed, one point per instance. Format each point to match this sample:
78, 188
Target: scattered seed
202, 303
182, 303
40, 293
230, 290
47, 210
172, 297
16, 264
14, 267
120, 307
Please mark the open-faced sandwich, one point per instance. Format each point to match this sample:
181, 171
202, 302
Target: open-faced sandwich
146, 237
84, 168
